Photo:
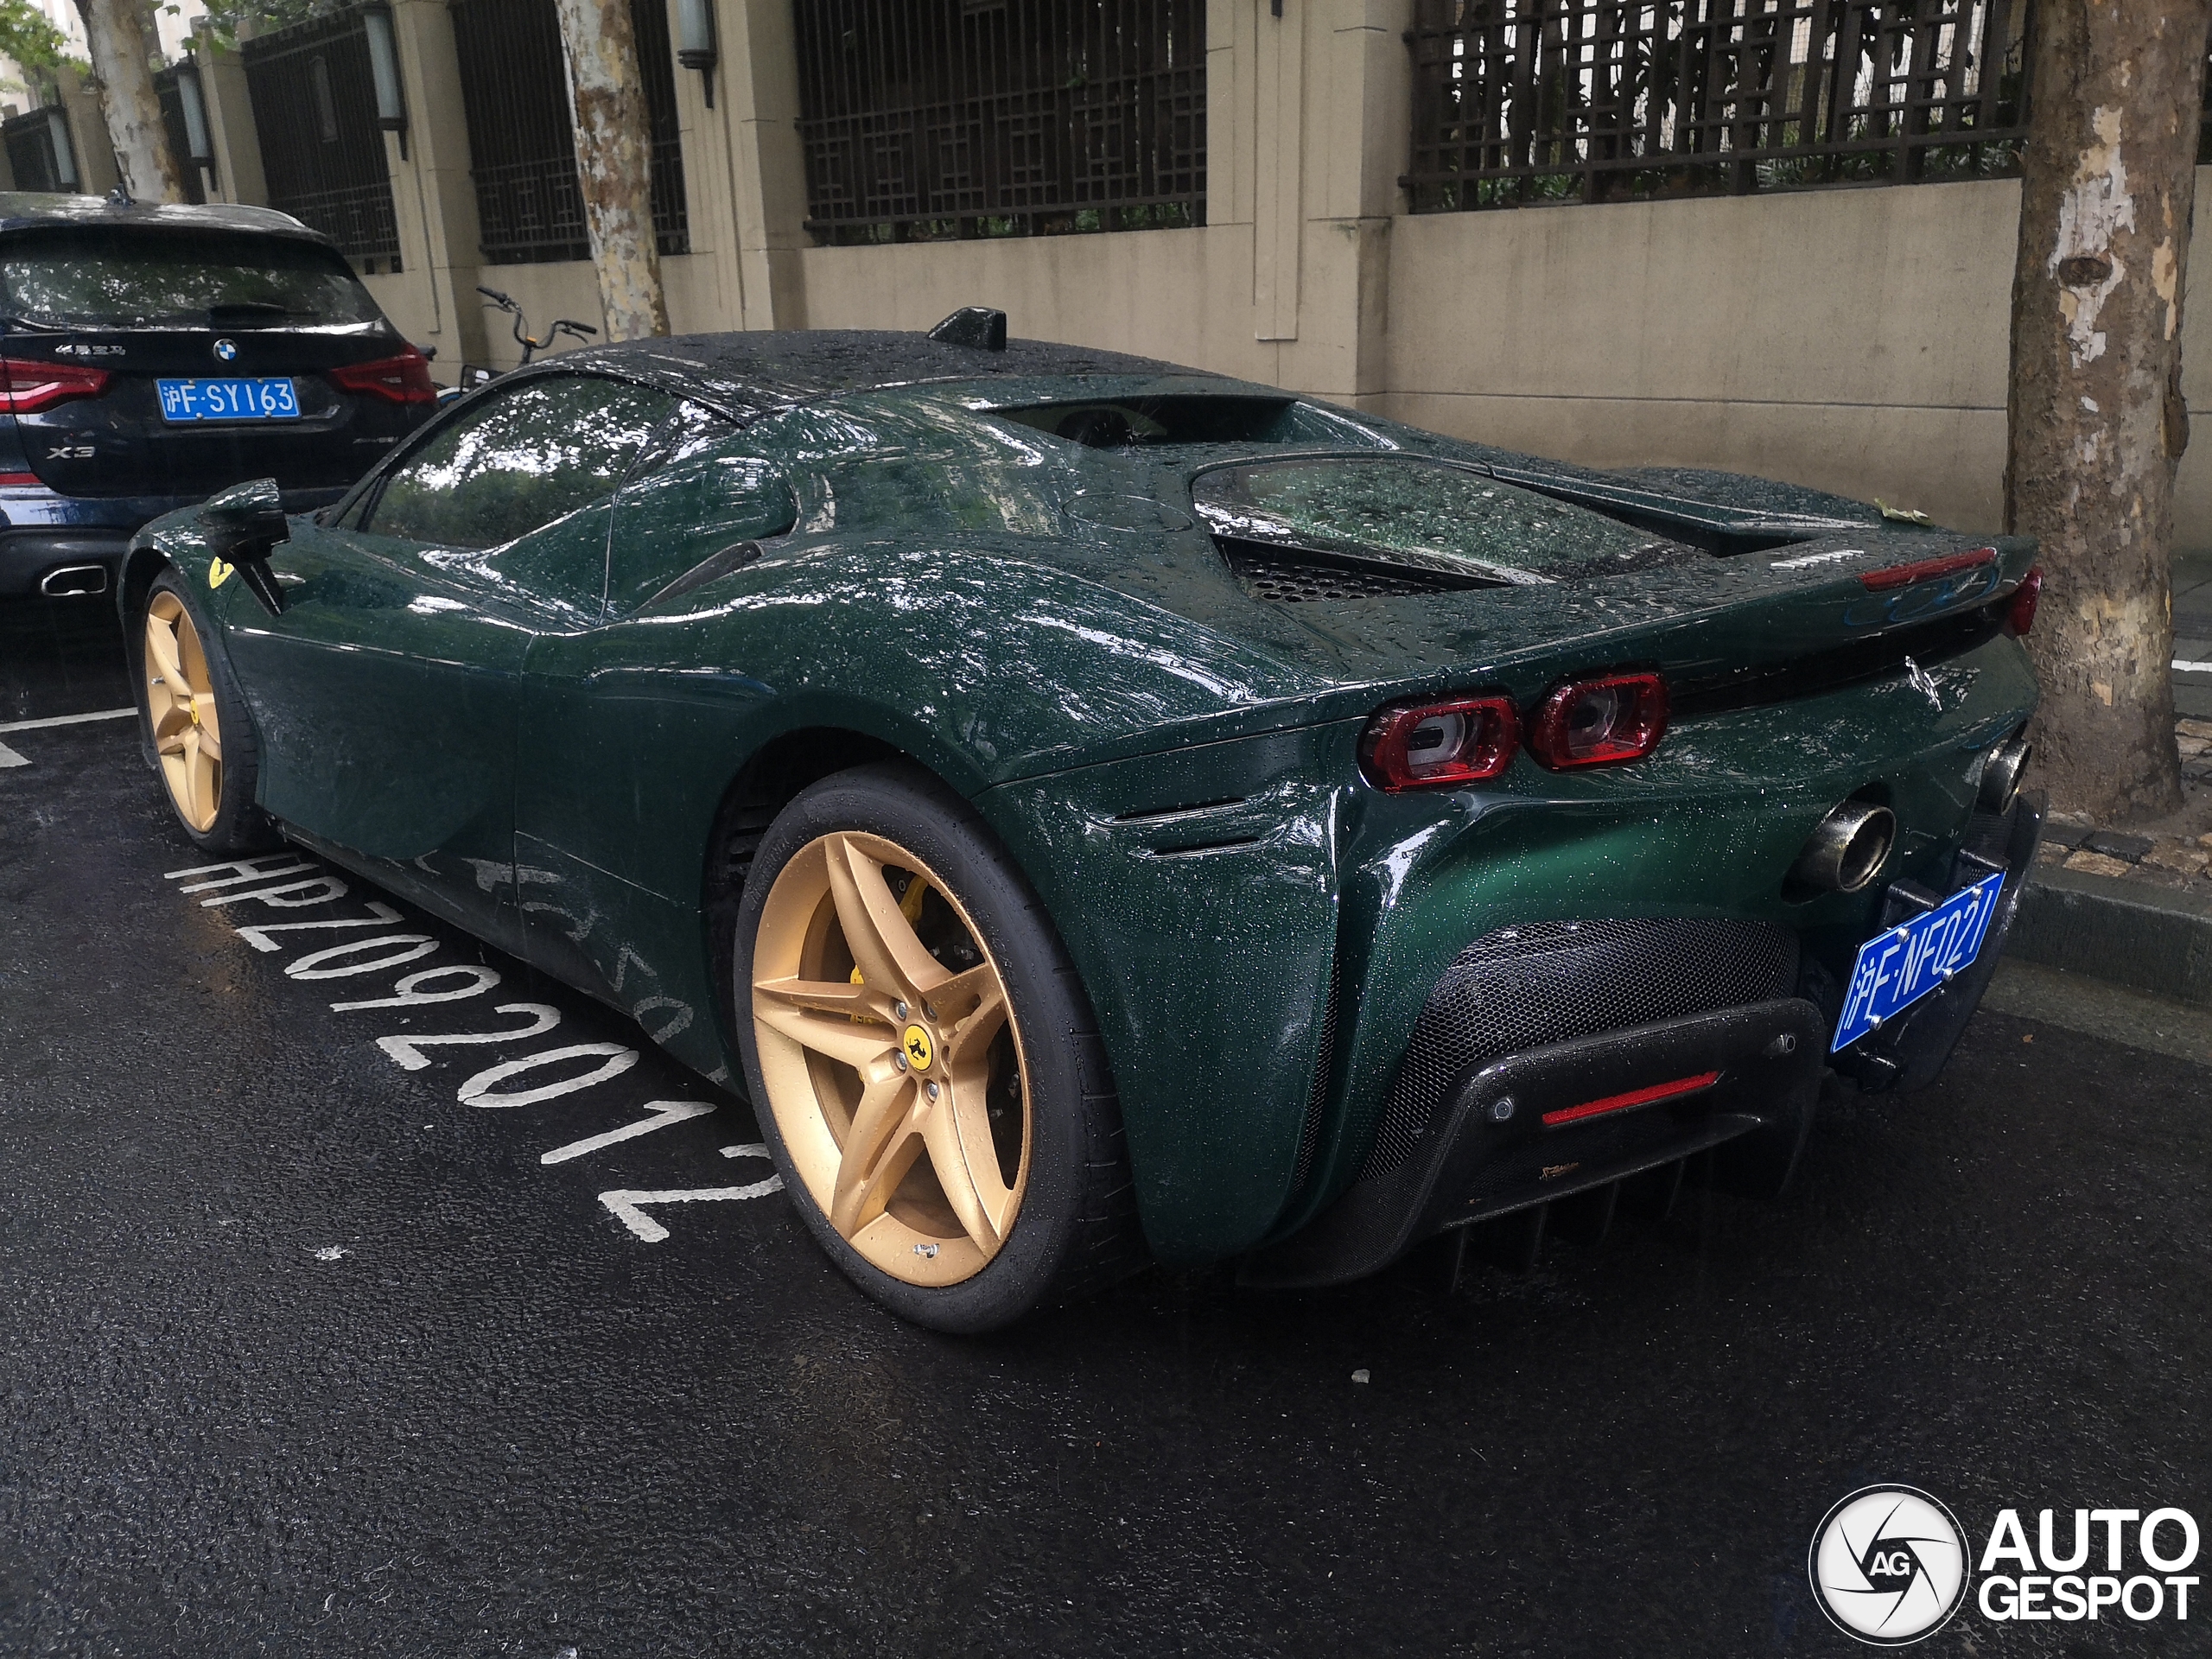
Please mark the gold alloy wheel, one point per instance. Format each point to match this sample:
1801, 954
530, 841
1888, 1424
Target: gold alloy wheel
891, 1060
181, 699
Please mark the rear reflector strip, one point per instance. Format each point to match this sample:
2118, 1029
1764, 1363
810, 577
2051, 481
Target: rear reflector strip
1633, 1097
1904, 575
18, 480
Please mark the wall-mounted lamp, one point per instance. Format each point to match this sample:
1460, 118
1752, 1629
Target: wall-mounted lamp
694, 42
65, 158
384, 69
195, 115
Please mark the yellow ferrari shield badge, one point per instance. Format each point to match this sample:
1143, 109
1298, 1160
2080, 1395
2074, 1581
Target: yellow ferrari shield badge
219, 573
918, 1051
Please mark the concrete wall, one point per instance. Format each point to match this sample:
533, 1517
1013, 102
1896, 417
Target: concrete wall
1854, 340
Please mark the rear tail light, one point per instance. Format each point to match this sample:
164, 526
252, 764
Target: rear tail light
2021, 616
1434, 745
1904, 575
1634, 1097
28, 387
401, 379
1600, 722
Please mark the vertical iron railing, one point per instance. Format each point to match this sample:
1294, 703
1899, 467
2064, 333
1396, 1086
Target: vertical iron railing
29, 138
925, 119
1519, 101
195, 188
514, 91
314, 107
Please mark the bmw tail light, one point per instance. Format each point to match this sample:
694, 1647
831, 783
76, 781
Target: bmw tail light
1435, 745
29, 387
401, 379
2020, 616
1601, 721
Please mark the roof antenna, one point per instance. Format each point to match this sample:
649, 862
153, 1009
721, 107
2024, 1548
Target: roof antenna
977, 326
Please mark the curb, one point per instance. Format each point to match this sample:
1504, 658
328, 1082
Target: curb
2159, 941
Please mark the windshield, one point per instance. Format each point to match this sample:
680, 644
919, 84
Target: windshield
110, 277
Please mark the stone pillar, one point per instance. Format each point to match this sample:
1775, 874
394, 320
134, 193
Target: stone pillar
231, 132
97, 174
705, 294
433, 198
757, 81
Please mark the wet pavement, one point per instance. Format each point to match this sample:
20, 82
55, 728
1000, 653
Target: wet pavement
302, 1355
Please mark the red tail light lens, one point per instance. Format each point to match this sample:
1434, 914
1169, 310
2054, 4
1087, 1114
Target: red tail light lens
401, 379
2022, 615
29, 387
1435, 745
1904, 575
1600, 722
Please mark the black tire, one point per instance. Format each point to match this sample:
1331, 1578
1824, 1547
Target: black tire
238, 826
1075, 1230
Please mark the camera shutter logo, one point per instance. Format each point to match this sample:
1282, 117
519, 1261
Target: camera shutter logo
1889, 1566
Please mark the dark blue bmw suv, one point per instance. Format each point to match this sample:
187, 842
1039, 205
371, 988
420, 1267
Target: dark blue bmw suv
151, 355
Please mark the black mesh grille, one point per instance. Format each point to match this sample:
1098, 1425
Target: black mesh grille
1524, 986
1288, 576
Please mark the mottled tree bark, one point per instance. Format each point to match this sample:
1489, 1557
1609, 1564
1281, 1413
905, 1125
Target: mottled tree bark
121, 48
614, 163
2097, 419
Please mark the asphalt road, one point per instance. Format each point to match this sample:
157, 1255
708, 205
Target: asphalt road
302, 1355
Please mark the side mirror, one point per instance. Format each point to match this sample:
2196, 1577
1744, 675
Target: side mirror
243, 523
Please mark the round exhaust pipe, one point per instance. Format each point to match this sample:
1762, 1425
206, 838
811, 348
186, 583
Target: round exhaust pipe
1846, 847
69, 579
2002, 774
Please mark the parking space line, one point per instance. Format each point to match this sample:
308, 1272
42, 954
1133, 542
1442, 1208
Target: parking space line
66, 720
9, 758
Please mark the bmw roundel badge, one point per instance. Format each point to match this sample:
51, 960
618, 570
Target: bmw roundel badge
226, 349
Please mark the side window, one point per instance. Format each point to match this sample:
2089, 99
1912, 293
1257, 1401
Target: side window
519, 461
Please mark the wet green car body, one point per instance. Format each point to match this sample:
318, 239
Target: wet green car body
870, 545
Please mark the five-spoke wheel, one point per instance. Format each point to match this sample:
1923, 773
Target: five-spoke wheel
891, 1061
925, 1065
181, 701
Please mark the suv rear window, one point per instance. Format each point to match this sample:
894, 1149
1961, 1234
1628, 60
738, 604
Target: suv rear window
114, 278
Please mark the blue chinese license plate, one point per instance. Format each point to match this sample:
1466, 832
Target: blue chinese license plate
228, 400
1899, 967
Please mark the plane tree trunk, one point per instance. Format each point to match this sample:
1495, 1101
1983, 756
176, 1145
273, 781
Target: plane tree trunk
614, 163
115, 31
2096, 416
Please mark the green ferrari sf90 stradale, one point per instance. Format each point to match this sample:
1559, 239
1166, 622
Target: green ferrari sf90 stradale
1100, 811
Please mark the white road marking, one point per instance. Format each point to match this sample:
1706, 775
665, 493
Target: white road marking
409, 994
482, 1088
407, 1051
664, 1112
2181, 666
9, 758
52, 721
259, 939
629, 1207
412, 947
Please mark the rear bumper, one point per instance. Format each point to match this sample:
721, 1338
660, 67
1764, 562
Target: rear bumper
43, 533
1746, 1079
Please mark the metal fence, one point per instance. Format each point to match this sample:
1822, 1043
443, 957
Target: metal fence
929, 119
314, 107
1519, 101
29, 138
195, 188
514, 93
